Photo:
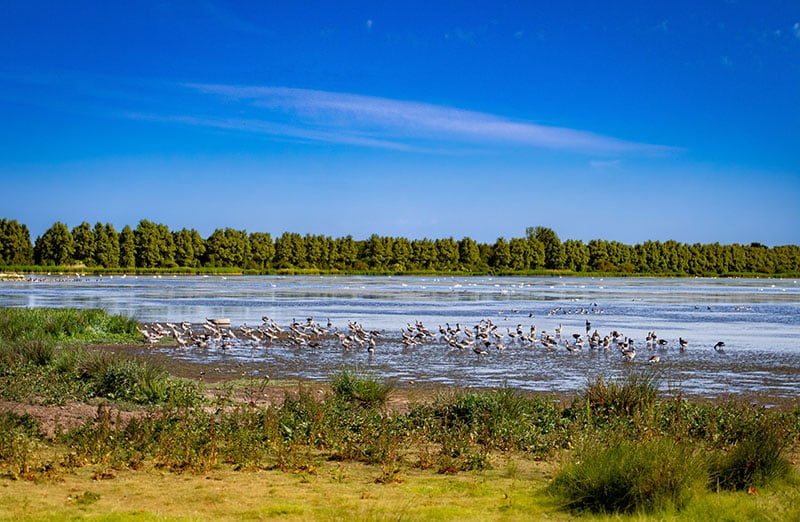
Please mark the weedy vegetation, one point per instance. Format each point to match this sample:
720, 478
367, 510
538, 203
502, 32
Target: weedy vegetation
618, 450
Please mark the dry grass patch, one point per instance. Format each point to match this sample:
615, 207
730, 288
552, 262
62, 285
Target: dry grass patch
333, 491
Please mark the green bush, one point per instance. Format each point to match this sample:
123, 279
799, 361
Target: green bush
360, 389
19, 443
300, 417
629, 476
120, 378
624, 397
502, 419
757, 459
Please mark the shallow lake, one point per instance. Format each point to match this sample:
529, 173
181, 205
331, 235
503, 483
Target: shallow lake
757, 319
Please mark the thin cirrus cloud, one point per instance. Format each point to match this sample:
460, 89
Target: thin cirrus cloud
394, 124
317, 116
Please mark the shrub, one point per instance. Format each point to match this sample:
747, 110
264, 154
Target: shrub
125, 379
300, 417
755, 460
19, 443
624, 397
501, 419
628, 476
360, 389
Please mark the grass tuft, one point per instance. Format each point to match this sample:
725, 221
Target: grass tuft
756, 460
361, 389
629, 476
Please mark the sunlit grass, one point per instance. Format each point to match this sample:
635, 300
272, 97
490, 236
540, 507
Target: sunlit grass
341, 491
461, 454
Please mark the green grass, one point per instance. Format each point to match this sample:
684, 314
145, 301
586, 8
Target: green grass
623, 449
629, 476
359, 388
64, 325
41, 359
757, 459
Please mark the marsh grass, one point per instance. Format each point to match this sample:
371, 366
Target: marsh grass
629, 476
360, 388
64, 324
19, 444
757, 459
628, 401
41, 358
632, 452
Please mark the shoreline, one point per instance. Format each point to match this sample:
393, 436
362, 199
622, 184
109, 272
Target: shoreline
240, 373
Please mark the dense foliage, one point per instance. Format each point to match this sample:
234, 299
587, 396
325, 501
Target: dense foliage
153, 246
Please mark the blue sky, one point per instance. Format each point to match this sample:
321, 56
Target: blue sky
614, 120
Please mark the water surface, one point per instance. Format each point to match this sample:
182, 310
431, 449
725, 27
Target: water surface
759, 321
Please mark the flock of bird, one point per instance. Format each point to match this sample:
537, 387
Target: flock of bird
482, 338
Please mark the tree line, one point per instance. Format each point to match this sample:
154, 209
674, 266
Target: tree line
154, 246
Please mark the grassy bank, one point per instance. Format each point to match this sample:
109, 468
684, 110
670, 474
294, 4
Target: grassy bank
618, 450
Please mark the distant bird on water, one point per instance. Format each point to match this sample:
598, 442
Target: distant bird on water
719, 346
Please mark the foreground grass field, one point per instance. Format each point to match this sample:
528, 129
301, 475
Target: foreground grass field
514, 489
90, 434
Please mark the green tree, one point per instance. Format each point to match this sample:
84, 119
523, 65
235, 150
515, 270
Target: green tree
785, 258
15, 243
155, 247
520, 254
55, 246
345, 253
316, 253
576, 255
378, 252
190, 248
402, 254
84, 241
262, 249
127, 247
469, 254
621, 256
553, 249
228, 248
424, 254
106, 245
501, 254
535, 250
446, 254
598, 256
290, 251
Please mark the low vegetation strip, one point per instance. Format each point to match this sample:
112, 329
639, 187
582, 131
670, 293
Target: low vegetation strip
618, 448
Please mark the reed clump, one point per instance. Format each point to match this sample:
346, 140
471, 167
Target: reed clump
756, 459
628, 476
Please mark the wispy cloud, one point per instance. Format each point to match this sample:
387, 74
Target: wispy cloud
382, 122
314, 116
605, 164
